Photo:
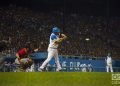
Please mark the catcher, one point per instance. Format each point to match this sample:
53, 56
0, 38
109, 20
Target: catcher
22, 56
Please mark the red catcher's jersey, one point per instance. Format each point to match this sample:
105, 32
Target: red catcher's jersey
23, 53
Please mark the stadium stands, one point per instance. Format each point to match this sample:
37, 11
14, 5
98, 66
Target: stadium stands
19, 25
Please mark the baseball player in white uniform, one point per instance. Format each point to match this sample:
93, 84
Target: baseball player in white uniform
55, 39
109, 63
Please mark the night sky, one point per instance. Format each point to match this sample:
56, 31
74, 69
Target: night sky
88, 7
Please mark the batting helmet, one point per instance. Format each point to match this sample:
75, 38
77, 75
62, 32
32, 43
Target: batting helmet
55, 30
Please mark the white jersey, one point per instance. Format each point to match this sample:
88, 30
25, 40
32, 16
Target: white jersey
53, 38
109, 60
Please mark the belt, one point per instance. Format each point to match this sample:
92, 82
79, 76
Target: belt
53, 48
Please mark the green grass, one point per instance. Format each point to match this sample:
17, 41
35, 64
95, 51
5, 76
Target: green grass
55, 79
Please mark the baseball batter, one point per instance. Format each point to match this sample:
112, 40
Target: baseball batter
55, 39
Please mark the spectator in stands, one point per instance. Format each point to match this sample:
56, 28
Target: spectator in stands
18, 26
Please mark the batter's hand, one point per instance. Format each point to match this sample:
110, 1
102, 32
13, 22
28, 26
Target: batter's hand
63, 36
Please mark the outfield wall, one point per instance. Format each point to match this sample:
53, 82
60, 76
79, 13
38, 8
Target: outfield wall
73, 63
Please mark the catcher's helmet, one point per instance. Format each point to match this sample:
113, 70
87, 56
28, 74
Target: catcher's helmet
55, 30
